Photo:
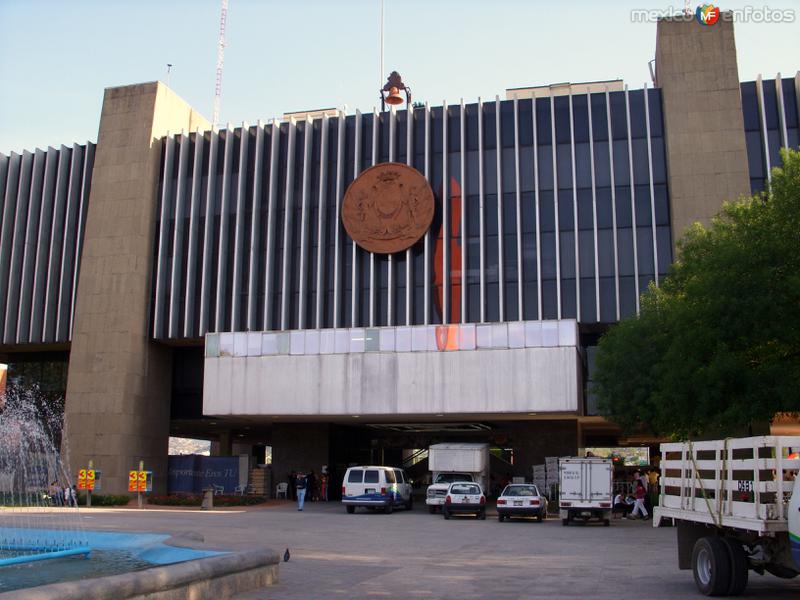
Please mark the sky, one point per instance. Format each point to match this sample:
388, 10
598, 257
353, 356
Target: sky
56, 57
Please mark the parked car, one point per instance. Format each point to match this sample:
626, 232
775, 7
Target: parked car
521, 500
376, 487
464, 497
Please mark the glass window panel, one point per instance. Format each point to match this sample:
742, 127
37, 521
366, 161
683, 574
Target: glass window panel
312, 341
386, 337
212, 345
403, 339
625, 250
583, 165
549, 334
580, 118
297, 342
644, 237
585, 209
509, 168
269, 344
565, 207
662, 204
588, 301
627, 296
549, 299
548, 255
419, 340
240, 344
253, 344
643, 208
357, 340
599, 117
342, 341
602, 168
608, 301
568, 299
664, 243
483, 336
500, 335
623, 202
567, 242
567, 333
466, 337
564, 164
226, 344
654, 106
516, 335
622, 173
605, 252
659, 161
586, 248
543, 129
372, 342
492, 299
283, 342
526, 171
604, 212
533, 334
327, 344
545, 161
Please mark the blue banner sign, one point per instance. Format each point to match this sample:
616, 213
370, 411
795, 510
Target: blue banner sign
193, 473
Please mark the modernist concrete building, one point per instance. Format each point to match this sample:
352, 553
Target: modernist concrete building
176, 279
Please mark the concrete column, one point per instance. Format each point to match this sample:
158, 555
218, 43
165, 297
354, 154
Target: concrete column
119, 380
706, 153
225, 445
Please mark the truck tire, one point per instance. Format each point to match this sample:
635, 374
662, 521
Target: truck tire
739, 566
781, 571
445, 514
410, 503
350, 509
539, 518
606, 522
482, 515
388, 508
565, 522
711, 566
432, 509
500, 517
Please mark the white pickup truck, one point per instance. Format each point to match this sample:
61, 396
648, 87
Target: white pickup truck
736, 505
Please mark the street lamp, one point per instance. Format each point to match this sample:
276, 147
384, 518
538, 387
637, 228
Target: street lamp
390, 93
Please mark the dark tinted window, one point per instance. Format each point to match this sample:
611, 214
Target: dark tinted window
371, 476
400, 476
458, 488
390, 478
355, 476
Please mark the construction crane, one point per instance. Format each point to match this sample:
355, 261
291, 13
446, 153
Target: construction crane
220, 61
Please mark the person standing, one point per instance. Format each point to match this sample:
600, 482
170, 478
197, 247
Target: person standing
300, 484
639, 506
311, 486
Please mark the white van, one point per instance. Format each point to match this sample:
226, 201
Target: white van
373, 487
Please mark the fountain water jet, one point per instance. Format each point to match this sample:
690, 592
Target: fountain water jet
32, 524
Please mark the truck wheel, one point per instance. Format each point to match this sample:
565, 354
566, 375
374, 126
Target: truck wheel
445, 514
780, 571
711, 566
482, 515
388, 508
606, 522
410, 503
500, 517
739, 566
539, 518
565, 522
350, 509
432, 509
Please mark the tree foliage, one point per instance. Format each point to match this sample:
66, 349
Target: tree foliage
717, 345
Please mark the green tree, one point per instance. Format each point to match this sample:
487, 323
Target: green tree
717, 346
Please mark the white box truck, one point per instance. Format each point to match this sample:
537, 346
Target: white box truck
736, 507
455, 462
585, 489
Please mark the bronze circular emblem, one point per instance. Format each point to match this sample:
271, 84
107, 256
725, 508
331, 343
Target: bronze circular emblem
388, 208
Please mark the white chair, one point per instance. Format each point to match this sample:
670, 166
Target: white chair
243, 489
282, 489
218, 489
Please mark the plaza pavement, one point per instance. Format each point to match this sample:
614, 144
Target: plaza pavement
418, 555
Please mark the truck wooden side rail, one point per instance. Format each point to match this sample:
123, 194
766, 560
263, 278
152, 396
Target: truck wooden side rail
734, 503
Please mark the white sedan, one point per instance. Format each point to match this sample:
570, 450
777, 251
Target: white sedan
521, 500
464, 497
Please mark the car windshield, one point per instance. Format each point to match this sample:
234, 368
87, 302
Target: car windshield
451, 477
464, 488
520, 490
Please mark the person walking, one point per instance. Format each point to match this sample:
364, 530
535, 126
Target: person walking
638, 506
300, 485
